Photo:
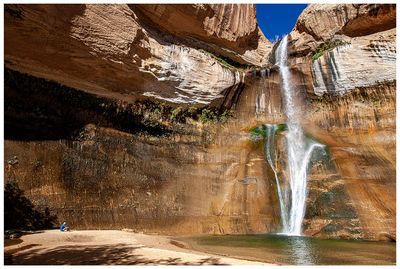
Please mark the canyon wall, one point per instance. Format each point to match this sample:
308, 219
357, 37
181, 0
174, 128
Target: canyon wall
345, 57
172, 177
141, 116
83, 139
132, 55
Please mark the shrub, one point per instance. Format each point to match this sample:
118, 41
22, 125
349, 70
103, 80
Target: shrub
318, 53
258, 132
228, 62
177, 115
327, 46
207, 115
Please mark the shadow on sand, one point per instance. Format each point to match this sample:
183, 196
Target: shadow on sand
117, 254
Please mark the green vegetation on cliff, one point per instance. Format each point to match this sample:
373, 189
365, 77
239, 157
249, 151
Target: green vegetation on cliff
327, 46
37, 108
156, 112
260, 132
228, 62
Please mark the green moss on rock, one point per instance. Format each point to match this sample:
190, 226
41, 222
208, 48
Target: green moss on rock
327, 46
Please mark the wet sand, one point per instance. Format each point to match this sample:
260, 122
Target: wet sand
108, 247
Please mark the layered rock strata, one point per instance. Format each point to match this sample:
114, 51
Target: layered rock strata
132, 55
344, 57
177, 178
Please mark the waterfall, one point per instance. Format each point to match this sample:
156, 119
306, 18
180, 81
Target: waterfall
292, 190
270, 152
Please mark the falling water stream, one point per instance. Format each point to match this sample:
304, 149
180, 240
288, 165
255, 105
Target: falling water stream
292, 191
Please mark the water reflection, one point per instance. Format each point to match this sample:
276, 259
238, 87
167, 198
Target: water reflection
301, 250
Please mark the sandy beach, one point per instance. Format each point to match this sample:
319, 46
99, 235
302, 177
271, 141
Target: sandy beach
107, 247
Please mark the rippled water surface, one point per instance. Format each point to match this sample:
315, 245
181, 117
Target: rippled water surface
281, 249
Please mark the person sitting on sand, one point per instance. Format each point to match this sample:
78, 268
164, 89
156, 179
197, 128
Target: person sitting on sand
64, 227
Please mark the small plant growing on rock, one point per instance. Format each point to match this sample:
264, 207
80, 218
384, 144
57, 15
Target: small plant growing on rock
228, 62
177, 115
207, 115
258, 132
318, 53
327, 46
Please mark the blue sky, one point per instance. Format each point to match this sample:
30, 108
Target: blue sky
277, 19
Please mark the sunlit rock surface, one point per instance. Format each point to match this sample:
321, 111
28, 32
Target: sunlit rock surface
364, 61
360, 131
323, 21
132, 55
227, 29
336, 60
350, 90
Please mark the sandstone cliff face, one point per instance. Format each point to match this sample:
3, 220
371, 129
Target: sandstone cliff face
360, 131
229, 29
113, 166
359, 62
189, 178
131, 55
322, 21
344, 57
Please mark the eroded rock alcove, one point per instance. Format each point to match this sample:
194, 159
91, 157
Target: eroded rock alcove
127, 116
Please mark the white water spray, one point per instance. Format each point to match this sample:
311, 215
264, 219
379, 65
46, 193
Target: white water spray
292, 191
